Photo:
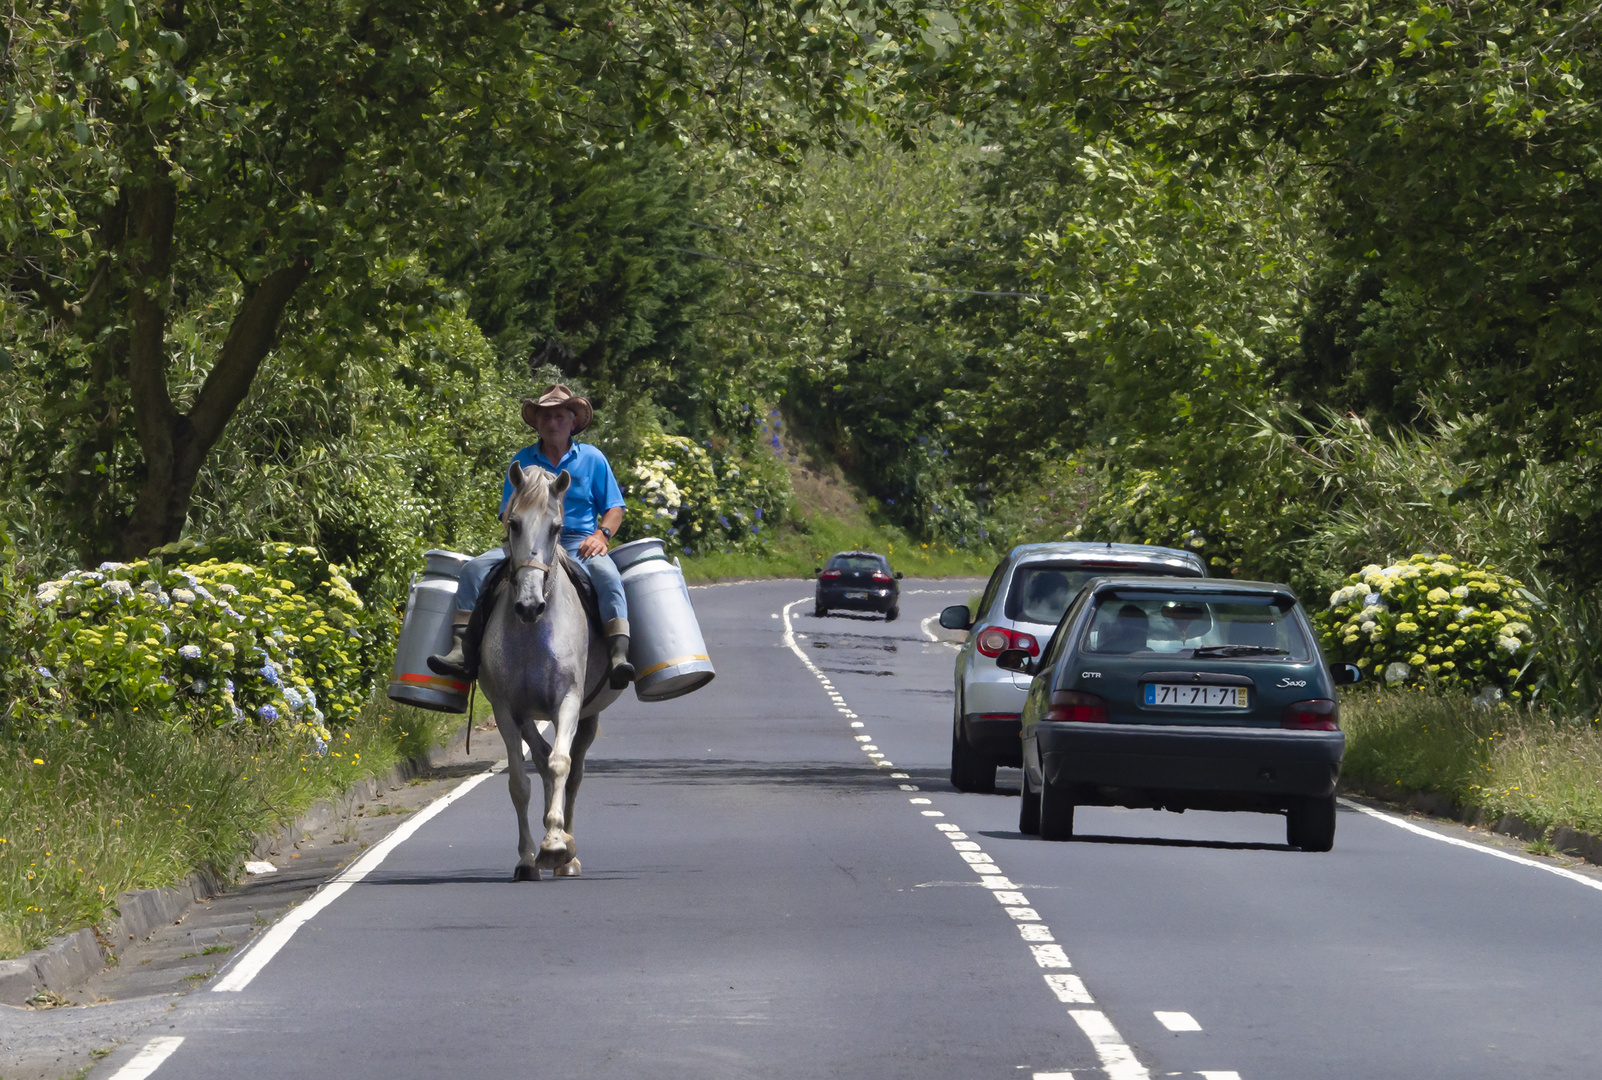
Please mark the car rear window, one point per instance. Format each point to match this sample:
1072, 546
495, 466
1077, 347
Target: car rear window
1243, 627
856, 562
1041, 592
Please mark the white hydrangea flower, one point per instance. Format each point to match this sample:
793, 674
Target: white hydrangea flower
1397, 671
1509, 645
1461, 592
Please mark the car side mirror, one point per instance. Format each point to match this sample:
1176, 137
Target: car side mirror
816, 570
1016, 660
898, 575
956, 617
1345, 674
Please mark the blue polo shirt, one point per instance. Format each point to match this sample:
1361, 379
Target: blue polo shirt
592, 493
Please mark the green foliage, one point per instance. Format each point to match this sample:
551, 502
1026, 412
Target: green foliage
88, 811
194, 635
701, 499
1501, 760
1430, 620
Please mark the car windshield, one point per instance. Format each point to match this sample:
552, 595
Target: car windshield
1239, 626
1041, 592
869, 563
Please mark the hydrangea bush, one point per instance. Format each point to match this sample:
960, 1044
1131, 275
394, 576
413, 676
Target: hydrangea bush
196, 633
1431, 619
699, 498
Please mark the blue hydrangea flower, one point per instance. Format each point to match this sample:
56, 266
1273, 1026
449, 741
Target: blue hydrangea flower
45, 672
322, 747
189, 652
269, 672
759, 513
723, 521
293, 699
267, 713
228, 685
199, 686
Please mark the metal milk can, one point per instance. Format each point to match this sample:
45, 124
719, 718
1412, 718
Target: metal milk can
427, 630
665, 644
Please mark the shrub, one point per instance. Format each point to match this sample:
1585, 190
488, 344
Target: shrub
197, 634
700, 498
1433, 620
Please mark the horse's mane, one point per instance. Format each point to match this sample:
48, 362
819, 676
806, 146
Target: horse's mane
531, 496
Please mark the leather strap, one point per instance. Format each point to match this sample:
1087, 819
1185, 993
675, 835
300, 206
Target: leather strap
531, 564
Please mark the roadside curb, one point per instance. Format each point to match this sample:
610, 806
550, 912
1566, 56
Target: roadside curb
72, 959
1563, 839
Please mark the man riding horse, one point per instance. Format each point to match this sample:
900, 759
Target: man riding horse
592, 512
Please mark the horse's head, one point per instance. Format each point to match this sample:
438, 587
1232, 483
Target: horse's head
533, 536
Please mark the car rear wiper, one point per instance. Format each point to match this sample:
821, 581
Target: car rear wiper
1239, 650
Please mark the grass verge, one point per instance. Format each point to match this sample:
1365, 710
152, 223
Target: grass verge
795, 549
1503, 760
92, 810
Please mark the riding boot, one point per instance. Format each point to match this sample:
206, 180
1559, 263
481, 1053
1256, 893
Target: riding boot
617, 653
462, 660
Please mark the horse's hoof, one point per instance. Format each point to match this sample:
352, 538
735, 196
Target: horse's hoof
551, 859
523, 872
568, 869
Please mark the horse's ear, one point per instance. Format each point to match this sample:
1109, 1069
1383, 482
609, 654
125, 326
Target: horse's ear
515, 475
559, 485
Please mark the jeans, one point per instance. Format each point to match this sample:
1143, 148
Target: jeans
602, 570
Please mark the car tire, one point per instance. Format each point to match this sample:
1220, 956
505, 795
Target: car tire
892, 615
1056, 812
1310, 823
969, 771
818, 610
1028, 807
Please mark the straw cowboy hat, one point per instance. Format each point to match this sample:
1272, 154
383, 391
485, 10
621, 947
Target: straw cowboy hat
559, 396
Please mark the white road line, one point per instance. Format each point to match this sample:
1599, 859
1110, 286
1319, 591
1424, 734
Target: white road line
1219, 1075
1177, 1021
277, 936
930, 634
1070, 990
149, 1058
1050, 956
1588, 882
1116, 1058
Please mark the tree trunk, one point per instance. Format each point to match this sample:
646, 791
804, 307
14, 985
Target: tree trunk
175, 444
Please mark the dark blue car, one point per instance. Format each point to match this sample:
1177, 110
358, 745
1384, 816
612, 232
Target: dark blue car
1182, 694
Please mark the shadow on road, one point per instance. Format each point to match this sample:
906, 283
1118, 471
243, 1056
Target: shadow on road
836, 777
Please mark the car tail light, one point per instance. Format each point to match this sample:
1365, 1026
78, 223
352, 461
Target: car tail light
1078, 706
993, 640
881, 577
1314, 714
830, 575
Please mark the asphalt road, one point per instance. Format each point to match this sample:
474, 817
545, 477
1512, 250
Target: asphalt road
770, 890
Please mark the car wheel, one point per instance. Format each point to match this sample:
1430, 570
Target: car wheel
1310, 824
1056, 812
1028, 808
893, 614
969, 771
818, 610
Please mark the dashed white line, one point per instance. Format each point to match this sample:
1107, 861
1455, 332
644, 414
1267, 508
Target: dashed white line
1116, 1058
1068, 988
1050, 956
1177, 1021
149, 1058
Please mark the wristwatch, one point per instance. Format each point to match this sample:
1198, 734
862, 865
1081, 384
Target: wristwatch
607, 531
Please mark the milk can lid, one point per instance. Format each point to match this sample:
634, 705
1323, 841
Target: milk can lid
447, 563
626, 555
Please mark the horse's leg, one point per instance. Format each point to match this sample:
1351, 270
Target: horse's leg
559, 764
521, 789
588, 726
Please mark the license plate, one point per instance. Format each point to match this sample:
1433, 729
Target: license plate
1193, 696
856, 596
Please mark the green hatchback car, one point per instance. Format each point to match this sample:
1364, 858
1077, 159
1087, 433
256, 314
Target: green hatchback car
1176, 694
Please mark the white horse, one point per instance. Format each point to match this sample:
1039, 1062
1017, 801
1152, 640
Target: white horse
543, 658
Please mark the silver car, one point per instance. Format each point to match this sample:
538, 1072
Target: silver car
1021, 606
